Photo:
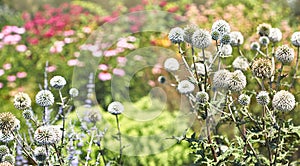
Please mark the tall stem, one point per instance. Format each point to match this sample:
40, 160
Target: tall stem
296, 68
205, 69
63, 117
120, 140
279, 77
87, 158
197, 77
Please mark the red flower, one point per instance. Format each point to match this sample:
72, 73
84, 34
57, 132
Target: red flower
173, 9
163, 3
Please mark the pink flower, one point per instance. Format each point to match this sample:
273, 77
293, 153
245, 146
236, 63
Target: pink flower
1, 35
103, 67
97, 53
2, 72
1, 85
18, 30
72, 62
21, 74
69, 33
86, 30
7, 66
33, 41
76, 54
173, 9
109, 53
6, 30
131, 38
11, 78
51, 69
21, 48
12, 39
151, 83
118, 72
156, 69
122, 60
68, 40
104, 76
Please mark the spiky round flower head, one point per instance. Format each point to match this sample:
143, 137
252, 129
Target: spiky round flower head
263, 98
22, 101
202, 97
6, 137
115, 108
47, 135
40, 153
262, 68
255, 46
236, 81
5, 163
3, 150
284, 54
225, 51
171, 64
73, 92
188, 32
200, 68
58, 82
176, 35
295, 39
264, 40
240, 63
27, 114
236, 38
9, 158
185, 87
221, 26
201, 39
284, 101
264, 29
275, 35
44, 98
244, 99
161, 79
219, 79
215, 35
225, 39
8, 122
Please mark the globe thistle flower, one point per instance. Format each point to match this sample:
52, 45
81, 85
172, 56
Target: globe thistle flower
219, 79
255, 46
225, 39
221, 26
225, 51
176, 35
94, 116
188, 32
44, 98
58, 82
215, 35
202, 97
263, 40
171, 64
263, 98
201, 39
284, 54
236, 38
27, 114
22, 101
275, 35
9, 158
40, 153
47, 135
115, 108
185, 87
3, 150
200, 68
73, 92
264, 29
236, 81
262, 68
161, 79
284, 101
6, 137
244, 99
240, 63
8, 122
5, 163
295, 39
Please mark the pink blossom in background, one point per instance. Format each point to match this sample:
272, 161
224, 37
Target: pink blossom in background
57, 47
6, 30
93, 48
7, 66
21, 74
97, 53
122, 60
2, 72
123, 44
1, 85
72, 62
84, 46
109, 53
151, 83
118, 72
68, 40
18, 30
87, 30
33, 41
131, 38
1, 35
21, 48
156, 69
138, 58
103, 67
76, 54
11, 39
11, 78
69, 33
104, 76
51, 69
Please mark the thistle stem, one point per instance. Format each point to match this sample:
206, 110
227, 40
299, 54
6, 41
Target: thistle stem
197, 77
120, 140
279, 77
296, 68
